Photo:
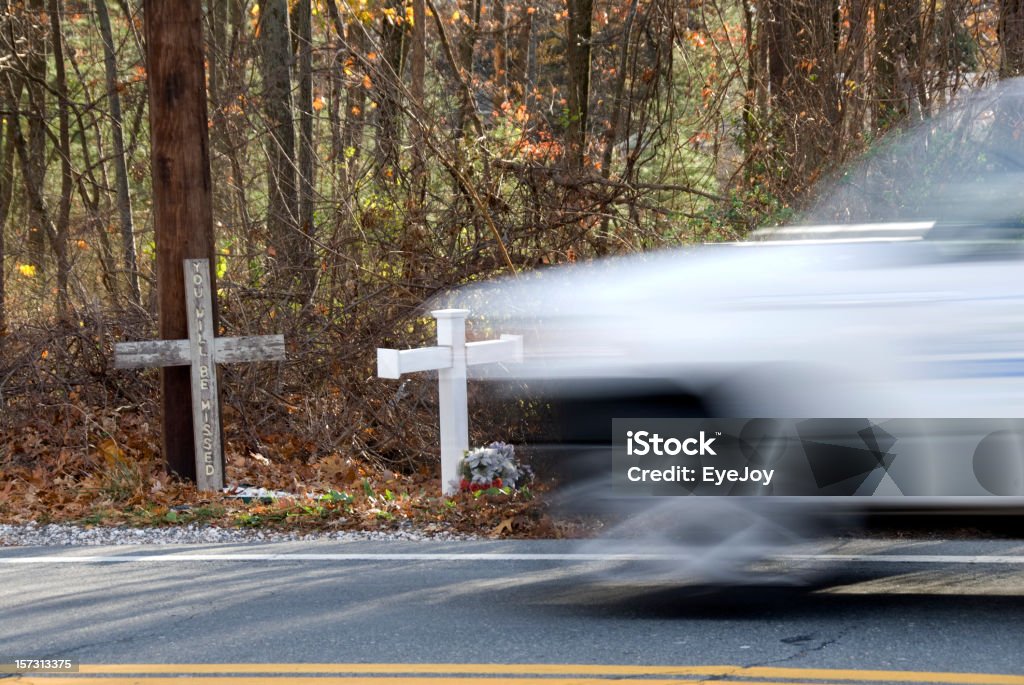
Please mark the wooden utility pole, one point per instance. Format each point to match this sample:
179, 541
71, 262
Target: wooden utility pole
182, 205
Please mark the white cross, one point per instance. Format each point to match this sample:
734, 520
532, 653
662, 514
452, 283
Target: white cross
202, 351
450, 358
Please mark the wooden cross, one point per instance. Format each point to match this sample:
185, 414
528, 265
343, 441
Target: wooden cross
450, 358
202, 351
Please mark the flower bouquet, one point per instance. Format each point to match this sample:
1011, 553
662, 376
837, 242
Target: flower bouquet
488, 467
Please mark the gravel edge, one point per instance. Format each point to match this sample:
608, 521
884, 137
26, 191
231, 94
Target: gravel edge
69, 535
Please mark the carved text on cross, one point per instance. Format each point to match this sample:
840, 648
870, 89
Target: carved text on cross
202, 351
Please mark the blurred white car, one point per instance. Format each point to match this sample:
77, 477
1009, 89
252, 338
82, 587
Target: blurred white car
902, 303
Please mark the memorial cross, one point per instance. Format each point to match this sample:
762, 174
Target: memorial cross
202, 351
450, 358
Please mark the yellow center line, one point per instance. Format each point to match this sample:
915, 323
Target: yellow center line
489, 669
878, 676
565, 669
519, 673
362, 680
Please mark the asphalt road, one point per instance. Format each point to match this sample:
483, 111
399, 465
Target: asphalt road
934, 611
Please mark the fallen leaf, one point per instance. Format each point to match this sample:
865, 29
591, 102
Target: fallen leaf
504, 526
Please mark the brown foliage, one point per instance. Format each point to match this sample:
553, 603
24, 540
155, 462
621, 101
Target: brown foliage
522, 135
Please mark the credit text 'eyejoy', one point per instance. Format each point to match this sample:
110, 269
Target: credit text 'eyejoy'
642, 443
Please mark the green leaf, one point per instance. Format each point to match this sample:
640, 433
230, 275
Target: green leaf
339, 497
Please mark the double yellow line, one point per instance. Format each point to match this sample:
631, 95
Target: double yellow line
491, 674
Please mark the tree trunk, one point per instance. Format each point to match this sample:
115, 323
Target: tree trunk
522, 63
854, 66
413, 243
353, 38
802, 97
467, 46
36, 201
577, 60
417, 91
1011, 38
302, 21
6, 190
59, 236
754, 57
355, 109
500, 52
35, 86
282, 205
236, 137
182, 196
615, 124
124, 202
898, 38
217, 59
389, 89
222, 87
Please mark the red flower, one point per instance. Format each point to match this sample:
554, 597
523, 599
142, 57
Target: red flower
465, 485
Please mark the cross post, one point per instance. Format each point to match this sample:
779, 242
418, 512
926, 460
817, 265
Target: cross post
450, 358
201, 351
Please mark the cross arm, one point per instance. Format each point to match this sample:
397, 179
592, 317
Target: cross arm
129, 355
508, 349
250, 348
246, 348
393, 363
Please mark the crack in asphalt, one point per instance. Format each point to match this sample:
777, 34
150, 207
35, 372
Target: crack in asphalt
807, 650
792, 657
